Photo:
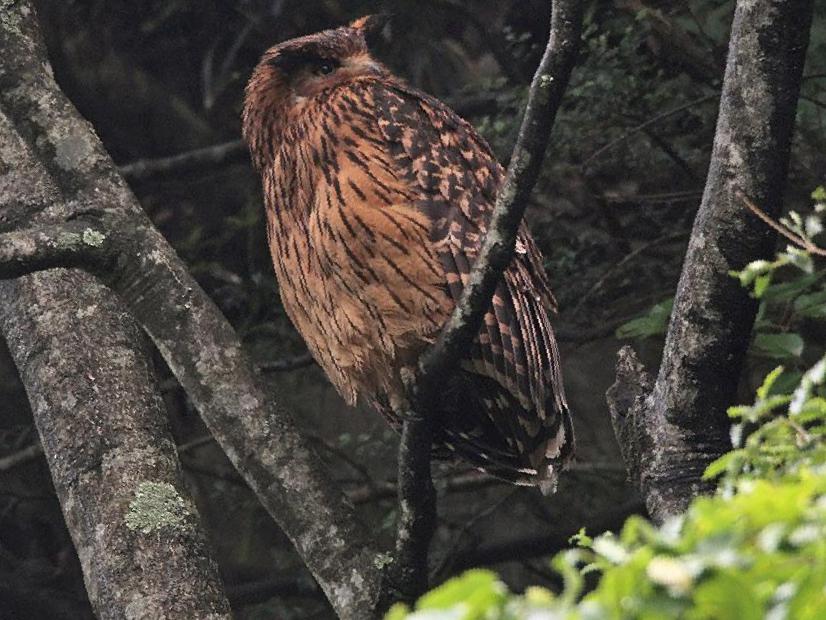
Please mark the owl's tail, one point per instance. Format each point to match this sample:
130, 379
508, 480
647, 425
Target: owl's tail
485, 425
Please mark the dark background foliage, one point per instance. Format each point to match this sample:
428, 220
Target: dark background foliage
612, 212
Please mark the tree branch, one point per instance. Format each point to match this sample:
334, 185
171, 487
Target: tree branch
416, 504
287, 363
73, 244
197, 160
544, 99
98, 411
195, 340
236, 151
29, 453
416, 520
672, 428
260, 591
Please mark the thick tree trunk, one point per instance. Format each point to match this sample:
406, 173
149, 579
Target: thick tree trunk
671, 429
196, 341
102, 424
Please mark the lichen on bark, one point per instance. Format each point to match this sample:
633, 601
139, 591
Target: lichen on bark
157, 506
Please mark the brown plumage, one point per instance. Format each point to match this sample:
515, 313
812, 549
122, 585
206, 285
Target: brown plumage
377, 199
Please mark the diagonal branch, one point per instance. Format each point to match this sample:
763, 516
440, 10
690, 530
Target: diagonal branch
196, 341
544, 100
416, 496
98, 410
779, 228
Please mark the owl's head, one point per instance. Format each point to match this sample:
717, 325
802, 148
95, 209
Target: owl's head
292, 73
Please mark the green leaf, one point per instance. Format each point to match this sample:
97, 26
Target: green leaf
726, 595
800, 258
399, 611
787, 382
777, 346
768, 382
812, 305
474, 594
721, 465
789, 290
752, 271
761, 284
654, 323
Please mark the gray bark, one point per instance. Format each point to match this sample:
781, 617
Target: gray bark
194, 338
99, 413
113, 462
672, 428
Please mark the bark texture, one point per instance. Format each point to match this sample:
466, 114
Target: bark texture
101, 422
195, 340
672, 428
99, 413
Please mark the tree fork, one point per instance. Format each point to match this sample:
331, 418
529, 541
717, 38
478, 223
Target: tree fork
670, 428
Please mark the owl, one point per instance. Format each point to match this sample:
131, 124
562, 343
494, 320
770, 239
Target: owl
377, 199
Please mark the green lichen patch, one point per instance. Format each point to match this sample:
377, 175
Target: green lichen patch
68, 239
10, 18
93, 238
156, 505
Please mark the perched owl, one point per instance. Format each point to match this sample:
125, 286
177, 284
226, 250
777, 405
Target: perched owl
377, 199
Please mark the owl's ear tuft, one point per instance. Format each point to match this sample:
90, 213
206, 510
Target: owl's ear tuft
371, 26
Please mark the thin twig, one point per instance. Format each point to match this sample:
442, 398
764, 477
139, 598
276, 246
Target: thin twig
287, 363
198, 159
195, 443
624, 261
388, 489
342, 455
642, 126
262, 590
814, 101
570, 334
29, 453
235, 151
459, 536
689, 194
35, 451
535, 545
473, 481
779, 228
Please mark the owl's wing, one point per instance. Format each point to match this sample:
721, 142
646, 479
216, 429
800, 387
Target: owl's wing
455, 177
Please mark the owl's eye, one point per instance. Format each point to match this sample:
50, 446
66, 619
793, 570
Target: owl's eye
325, 68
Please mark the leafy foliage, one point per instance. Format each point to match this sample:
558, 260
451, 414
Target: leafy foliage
756, 549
